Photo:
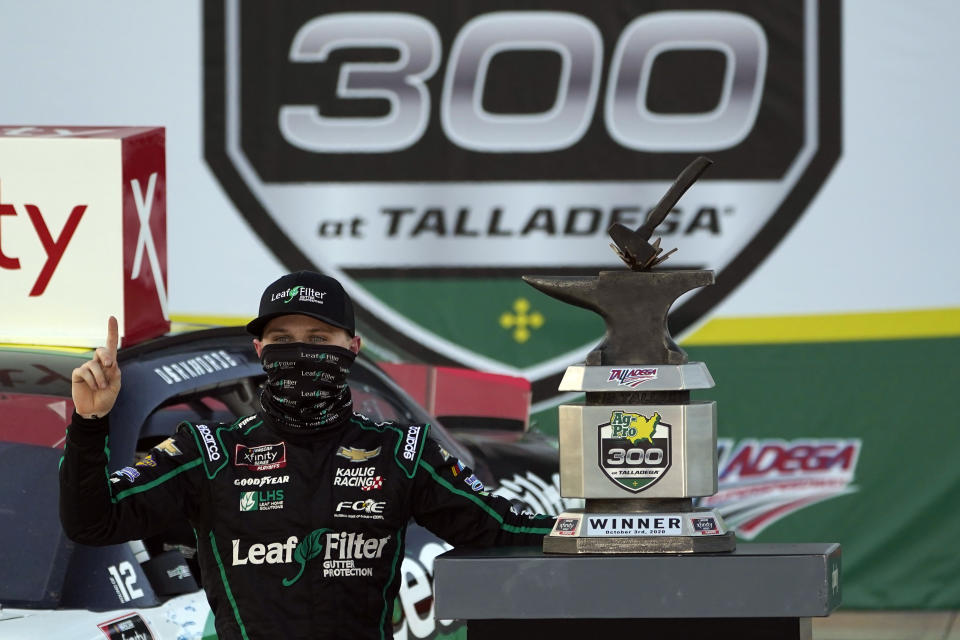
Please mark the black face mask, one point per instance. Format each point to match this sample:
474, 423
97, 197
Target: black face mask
306, 384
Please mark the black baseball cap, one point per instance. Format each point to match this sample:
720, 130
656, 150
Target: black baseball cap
307, 293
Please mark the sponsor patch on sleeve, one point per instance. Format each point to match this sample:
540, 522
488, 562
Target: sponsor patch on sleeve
169, 447
128, 473
147, 461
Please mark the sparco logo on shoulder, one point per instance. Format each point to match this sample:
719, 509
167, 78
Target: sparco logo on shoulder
213, 452
410, 442
426, 157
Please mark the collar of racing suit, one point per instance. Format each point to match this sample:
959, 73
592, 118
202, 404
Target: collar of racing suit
304, 435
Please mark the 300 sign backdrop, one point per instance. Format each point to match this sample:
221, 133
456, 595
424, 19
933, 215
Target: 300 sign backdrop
430, 154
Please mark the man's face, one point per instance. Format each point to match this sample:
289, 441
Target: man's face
300, 328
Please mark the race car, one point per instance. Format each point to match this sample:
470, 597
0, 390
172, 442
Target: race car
150, 589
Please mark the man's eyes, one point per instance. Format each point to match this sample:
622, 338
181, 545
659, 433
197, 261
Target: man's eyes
315, 338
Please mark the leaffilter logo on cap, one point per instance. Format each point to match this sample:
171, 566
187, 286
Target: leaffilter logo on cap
303, 294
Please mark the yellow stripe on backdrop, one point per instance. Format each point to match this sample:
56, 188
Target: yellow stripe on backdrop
186, 322
845, 327
880, 325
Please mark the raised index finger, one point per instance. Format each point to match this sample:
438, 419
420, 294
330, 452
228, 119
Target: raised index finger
113, 337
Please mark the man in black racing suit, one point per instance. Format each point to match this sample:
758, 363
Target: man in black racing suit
300, 510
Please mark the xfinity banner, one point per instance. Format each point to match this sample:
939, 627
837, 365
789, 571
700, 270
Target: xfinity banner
428, 154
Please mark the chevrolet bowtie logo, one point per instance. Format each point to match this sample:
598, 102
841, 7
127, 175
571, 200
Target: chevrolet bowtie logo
357, 455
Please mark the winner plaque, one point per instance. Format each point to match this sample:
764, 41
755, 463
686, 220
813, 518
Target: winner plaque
638, 450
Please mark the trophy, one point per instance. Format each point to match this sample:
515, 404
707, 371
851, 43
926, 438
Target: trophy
638, 451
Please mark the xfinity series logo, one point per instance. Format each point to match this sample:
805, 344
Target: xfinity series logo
263, 457
634, 449
704, 526
411, 151
567, 526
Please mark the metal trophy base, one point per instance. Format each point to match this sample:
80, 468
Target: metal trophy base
639, 526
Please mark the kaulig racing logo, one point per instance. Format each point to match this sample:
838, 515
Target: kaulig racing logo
427, 158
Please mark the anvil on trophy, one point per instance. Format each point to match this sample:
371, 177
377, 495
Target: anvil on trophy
638, 451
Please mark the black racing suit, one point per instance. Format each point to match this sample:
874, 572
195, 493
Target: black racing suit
299, 534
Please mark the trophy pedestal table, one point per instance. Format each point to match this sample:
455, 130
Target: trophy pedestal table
757, 591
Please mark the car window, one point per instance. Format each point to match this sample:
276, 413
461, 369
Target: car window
24, 370
34, 418
374, 405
